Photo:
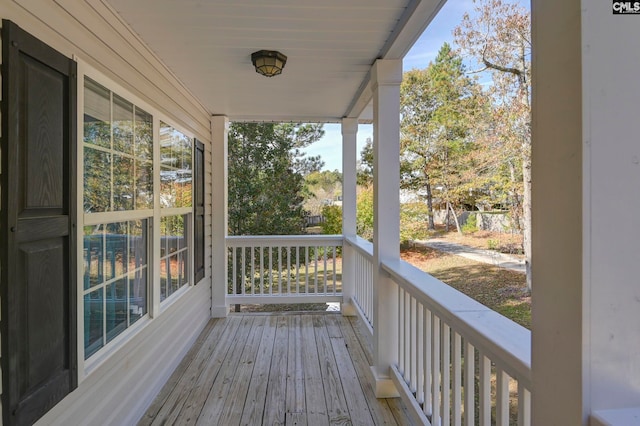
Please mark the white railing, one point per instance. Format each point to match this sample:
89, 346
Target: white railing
284, 269
363, 278
449, 345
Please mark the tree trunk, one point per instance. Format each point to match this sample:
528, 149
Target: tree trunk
455, 217
526, 211
432, 225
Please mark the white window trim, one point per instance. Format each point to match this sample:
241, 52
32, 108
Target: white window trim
154, 307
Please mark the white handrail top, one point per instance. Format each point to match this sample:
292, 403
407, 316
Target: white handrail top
502, 340
363, 246
283, 240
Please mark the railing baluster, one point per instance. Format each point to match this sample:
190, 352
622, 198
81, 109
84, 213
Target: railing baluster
324, 276
262, 270
428, 345
244, 270
502, 397
297, 269
420, 370
234, 269
279, 252
401, 361
306, 265
253, 271
288, 251
469, 385
334, 254
435, 359
412, 346
485, 390
446, 374
524, 405
457, 380
270, 270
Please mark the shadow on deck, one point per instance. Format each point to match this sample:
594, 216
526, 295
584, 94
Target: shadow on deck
280, 368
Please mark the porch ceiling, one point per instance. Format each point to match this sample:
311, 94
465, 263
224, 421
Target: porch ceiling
330, 44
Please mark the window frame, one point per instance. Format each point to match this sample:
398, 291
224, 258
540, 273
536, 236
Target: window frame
153, 216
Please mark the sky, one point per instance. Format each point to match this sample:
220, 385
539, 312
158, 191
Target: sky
422, 52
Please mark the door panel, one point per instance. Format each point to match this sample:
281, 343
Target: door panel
38, 216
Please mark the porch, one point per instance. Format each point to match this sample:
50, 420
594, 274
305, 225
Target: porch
281, 368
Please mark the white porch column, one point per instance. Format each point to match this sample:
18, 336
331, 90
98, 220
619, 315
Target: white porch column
349, 185
586, 169
219, 136
386, 76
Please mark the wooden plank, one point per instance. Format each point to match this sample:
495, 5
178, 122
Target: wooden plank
274, 412
334, 394
378, 408
333, 329
184, 396
357, 403
363, 338
313, 385
399, 411
295, 399
196, 397
257, 392
176, 377
234, 403
221, 386
298, 419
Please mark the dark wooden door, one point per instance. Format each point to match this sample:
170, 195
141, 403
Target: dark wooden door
198, 207
38, 208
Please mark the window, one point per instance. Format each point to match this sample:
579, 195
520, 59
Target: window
115, 280
118, 177
121, 206
198, 211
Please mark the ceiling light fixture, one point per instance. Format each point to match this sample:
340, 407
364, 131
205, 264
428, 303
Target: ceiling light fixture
268, 62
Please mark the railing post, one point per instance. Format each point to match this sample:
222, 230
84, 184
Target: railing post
219, 136
386, 77
349, 171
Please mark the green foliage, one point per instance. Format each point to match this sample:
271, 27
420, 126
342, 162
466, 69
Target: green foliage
332, 220
493, 244
438, 108
471, 225
266, 176
321, 188
365, 166
413, 222
364, 213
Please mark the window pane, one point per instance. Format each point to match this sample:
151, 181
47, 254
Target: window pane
97, 114
143, 135
93, 256
137, 244
93, 316
144, 185
116, 250
97, 178
168, 193
164, 278
122, 183
116, 308
137, 295
122, 125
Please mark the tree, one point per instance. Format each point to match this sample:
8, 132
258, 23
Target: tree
266, 176
365, 165
323, 188
437, 107
498, 36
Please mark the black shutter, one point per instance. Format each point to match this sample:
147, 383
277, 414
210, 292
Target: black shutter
37, 235
198, 207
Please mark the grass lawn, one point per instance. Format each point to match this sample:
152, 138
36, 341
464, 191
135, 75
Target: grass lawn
501, 290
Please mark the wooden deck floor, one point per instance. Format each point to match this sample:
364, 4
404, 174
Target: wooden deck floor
275, 369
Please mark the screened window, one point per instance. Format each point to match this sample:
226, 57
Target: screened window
176, 158
174, 254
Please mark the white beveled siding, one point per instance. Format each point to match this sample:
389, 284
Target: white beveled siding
121, 388
119, 391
